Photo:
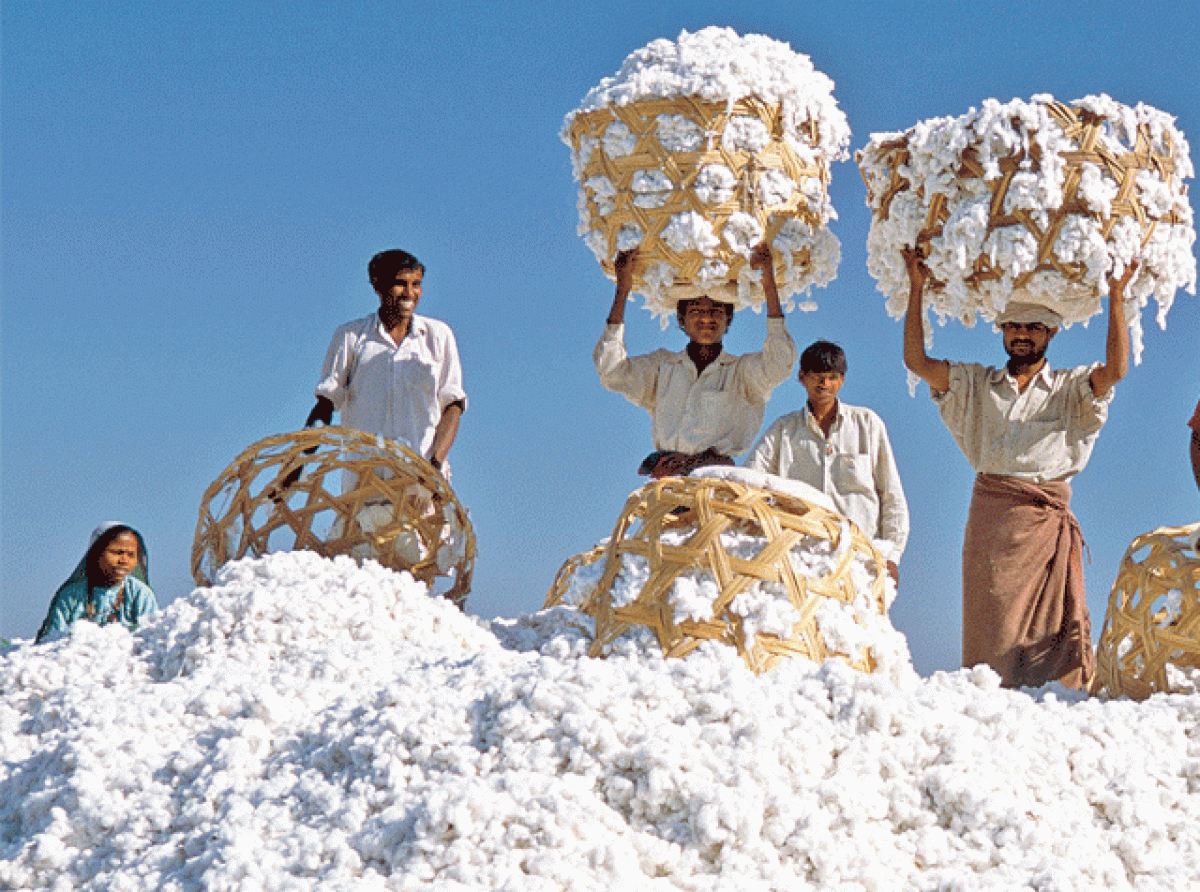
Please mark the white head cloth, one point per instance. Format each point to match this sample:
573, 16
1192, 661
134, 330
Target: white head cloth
1026, 313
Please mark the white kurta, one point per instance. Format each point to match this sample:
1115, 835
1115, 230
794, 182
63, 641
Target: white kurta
721, 408
398, 390
1046, 433
854, 466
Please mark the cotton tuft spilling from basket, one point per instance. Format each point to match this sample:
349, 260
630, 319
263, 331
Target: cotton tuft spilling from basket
699, 149
337, 491
1034, 201
753, 561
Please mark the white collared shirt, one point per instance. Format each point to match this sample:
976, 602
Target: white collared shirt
1045, 433
721, 408
854, 466
398, 390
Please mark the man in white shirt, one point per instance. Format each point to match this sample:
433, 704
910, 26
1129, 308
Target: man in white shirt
705, 405
841, 450
393, 372
1026, 430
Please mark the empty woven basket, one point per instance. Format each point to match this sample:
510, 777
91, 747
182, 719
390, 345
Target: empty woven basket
1153, 621
356, 494
741, 543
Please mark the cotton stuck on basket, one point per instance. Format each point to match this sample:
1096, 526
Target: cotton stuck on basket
1035, 201
697, 150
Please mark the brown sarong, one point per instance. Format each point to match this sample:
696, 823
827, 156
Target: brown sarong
1024, 607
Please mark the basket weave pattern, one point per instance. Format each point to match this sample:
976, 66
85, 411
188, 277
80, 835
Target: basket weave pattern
682, 168
358, 494
704, 509
1153, 618
1083, 128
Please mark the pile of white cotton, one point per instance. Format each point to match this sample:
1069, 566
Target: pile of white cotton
1027, 133
715, 65
308, 725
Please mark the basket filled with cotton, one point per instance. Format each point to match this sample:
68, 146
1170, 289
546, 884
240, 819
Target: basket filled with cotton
697, 150
762, 564
1150, 642
1034, 201
334, 491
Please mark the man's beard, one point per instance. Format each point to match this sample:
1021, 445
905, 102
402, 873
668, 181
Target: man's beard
1016, 361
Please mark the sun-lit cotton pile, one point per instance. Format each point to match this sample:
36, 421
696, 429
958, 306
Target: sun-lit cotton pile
998, 131
308, 724
718, 65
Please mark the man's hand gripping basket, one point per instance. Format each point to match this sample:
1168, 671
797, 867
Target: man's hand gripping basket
1152, 629
335, 491
698, 559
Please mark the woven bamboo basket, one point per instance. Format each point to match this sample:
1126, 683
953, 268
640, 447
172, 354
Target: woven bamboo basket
882, 166
356, 494
626, 205
702, 509
1153, 618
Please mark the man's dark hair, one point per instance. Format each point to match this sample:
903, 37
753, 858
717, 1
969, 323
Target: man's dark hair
681, 308
385, 265
822, 357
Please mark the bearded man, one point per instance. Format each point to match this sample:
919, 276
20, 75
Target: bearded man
1027, 430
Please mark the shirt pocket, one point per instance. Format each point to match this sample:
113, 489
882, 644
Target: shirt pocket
853, 473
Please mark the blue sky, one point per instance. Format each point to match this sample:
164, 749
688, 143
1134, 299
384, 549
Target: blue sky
191, 191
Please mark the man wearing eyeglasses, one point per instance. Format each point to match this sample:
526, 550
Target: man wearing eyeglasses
1027, 430
705, 405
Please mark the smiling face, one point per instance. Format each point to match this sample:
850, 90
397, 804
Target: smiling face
1025, 343
398, 299
705, 321
822, 388
118, 559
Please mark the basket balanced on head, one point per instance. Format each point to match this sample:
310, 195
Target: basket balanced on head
355, 494
1033, 201
704, 558
699, 149
1152, 628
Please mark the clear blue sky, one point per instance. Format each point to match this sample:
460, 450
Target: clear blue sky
191, 191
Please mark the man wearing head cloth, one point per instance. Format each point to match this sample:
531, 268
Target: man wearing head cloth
1027, 430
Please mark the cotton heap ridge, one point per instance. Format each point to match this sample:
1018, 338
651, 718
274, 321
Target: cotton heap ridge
308, 724
1034, 201
697, 150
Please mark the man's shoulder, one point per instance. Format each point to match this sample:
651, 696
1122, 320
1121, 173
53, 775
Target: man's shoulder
434, 327
864, 412
357, 326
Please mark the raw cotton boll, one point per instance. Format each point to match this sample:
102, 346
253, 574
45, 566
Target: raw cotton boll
1034, 201
742, 232
618, 140
601, 192
651, 188
629, 237
678, 133
776, 187
712, 272
690, 231
715, 184
737, 126
745, 134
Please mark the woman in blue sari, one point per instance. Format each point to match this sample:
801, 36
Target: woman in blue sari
110, 583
